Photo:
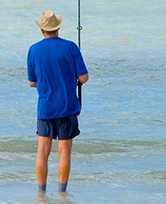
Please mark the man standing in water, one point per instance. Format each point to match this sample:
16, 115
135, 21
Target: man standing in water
55, 66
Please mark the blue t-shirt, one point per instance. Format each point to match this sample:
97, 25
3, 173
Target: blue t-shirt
55, 65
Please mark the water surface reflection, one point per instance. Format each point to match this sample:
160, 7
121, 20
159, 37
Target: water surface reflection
62, 198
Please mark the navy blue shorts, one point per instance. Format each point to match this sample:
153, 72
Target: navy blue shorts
61, 128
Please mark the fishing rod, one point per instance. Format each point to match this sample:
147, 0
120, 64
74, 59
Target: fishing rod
79, 28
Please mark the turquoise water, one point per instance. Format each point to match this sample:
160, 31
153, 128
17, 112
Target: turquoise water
120, 156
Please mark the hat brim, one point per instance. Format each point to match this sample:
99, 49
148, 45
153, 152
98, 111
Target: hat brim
60, 20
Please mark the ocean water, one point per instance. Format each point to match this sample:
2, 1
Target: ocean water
119, 158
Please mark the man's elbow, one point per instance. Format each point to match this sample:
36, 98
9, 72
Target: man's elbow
83, 78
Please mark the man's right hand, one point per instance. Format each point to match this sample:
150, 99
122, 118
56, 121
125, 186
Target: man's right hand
83, 78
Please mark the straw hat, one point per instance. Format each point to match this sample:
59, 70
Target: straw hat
49, 21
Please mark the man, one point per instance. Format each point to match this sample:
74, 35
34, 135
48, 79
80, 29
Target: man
55, 66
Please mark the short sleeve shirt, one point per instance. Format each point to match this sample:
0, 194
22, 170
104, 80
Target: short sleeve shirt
55, 65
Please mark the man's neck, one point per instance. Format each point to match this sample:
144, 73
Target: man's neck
50, 36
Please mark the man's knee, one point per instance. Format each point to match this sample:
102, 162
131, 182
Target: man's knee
44, 146
64, 146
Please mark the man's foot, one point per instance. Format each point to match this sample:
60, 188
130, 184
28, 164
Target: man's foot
41, 198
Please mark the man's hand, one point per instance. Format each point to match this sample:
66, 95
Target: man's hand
83, 78
32, 84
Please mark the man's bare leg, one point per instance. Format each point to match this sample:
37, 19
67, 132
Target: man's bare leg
64, 163
43, 151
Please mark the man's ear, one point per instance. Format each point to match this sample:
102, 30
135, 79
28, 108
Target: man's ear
42, 31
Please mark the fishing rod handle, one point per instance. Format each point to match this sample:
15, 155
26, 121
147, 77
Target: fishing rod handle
79, 28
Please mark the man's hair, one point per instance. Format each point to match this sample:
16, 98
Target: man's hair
50, 32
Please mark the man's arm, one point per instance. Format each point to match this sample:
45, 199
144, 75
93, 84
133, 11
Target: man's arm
31, 70
32, 84
80, 67
83, 78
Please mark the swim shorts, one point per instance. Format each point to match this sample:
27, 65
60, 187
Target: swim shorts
61, 128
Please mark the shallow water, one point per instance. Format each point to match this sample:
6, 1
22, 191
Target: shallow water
120, 156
